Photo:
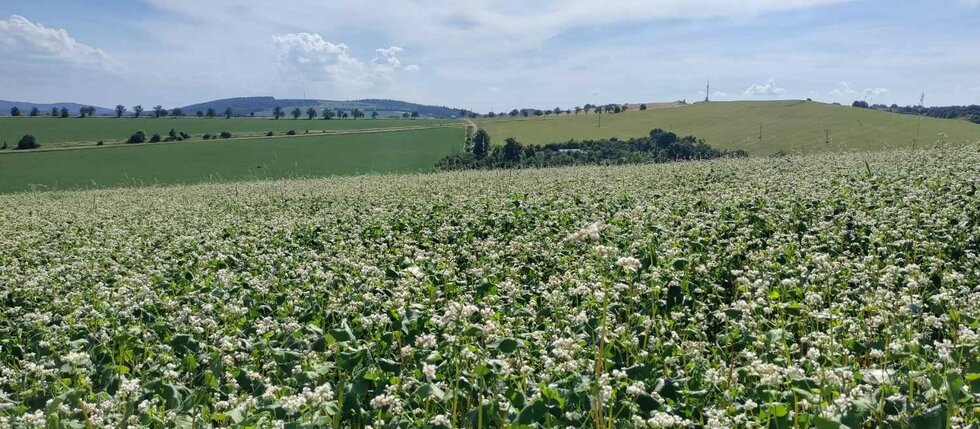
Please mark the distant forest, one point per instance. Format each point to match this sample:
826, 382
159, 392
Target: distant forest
970, 113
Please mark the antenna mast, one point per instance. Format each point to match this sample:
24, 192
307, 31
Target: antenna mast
707, 92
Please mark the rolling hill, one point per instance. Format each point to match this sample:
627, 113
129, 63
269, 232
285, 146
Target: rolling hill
45, 108
262, 106
758, 127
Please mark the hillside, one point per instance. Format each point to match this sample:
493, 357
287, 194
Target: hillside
789, 126
263, 106
45, 108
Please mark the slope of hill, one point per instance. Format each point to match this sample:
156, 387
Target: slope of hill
45, 108
758, 127
263, 106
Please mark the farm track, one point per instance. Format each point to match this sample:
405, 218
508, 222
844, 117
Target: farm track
251, 136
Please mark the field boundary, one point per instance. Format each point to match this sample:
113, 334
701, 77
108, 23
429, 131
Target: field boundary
251, 136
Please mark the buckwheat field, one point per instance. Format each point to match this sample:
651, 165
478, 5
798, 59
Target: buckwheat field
825, 291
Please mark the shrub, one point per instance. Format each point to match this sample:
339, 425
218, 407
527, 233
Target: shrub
270, 134
155, 138
137, 137
225, 135
291, 133
100, 143
184, 136
28, 142
207, 136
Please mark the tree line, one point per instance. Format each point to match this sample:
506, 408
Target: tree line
586, 109
970, 113
659, 146
159, 112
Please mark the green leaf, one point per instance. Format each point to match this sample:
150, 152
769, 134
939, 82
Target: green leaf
428, 391
933, 418
532, 413
825, 423
508, 345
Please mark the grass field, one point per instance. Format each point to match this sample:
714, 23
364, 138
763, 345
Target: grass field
790, 126
57, 132
195, 161
828, 291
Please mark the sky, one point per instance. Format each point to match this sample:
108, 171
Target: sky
490, 54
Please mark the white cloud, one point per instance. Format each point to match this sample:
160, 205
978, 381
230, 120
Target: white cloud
31, 44
310, 57
844, 89
386, 60
720, 94
765, 89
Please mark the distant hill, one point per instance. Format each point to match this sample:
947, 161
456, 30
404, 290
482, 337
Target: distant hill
758, 127
263, 106
45, 108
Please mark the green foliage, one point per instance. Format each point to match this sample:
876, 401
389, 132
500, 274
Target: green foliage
28, 142
154, 139
797, 292
225, 135
660, 146
481, 144
137, 137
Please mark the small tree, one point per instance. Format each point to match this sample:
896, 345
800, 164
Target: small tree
297, 113
211, 113
327, 114
199, 114
374, 114
158, 111
512, 150
27, 142
481, 144
137, 110
178, 112
64, 112
55, 112
120, 110
15, 111
228, 113
137, 137
225, 135
155, 138
277, 112
643, 107
311, 113
357, 113
35, 111
415, 115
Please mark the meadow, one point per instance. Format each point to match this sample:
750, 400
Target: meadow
825, 291
58, 132
795, 127
224, 160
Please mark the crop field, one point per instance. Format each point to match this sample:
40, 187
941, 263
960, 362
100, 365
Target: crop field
825, 291
794, 127
221, 160
58, 132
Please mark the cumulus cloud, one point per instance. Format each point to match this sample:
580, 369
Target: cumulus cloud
310, 57
26, 43
844, 89
765, 89
387, 60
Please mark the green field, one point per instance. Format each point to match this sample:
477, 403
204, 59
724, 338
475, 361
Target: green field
244, 159
57, 132
790, 126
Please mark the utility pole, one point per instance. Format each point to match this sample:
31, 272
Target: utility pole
707, 92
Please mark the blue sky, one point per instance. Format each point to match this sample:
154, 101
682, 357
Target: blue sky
490, 54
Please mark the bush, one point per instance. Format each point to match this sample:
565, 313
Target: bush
184, 136
270, 134
99, 143
207, 136
28, 142
155, 138
225, 135
138, 137
291, 133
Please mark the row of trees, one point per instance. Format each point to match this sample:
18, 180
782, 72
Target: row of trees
312, 113
55, 112
970, 113
659, 146
588, 108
